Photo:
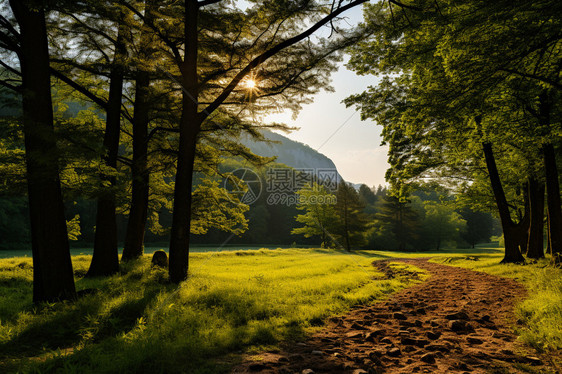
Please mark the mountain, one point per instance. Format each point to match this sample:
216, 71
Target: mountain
289, 152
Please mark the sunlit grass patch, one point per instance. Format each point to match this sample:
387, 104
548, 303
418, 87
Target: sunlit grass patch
137, 322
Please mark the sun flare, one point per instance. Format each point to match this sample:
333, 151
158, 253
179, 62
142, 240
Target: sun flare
251, 84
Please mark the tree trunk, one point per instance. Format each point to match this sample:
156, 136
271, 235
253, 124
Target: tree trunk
53, 278
134, 239
548, 248
136, 226
553, 199
511, 232
535, 247
189, 129
105, 259
524, 225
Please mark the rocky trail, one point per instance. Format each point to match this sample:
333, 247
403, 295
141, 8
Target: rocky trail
458, 321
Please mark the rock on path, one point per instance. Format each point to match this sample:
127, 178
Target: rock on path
458, 321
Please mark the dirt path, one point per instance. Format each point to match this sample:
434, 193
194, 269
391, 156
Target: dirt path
458, 321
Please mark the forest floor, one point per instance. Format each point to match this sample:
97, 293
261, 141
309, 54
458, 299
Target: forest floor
458, 321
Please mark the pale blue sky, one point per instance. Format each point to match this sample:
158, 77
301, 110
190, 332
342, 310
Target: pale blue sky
355, 147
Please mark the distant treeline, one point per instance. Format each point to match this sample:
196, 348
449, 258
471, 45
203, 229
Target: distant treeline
428, 220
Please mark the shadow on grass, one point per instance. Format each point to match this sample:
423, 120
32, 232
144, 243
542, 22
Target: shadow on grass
63, 325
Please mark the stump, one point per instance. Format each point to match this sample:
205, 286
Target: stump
160, 259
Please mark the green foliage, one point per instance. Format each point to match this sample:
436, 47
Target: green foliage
14, 225
442, 225
430, 219
399, 222
73, 228
351, 220
320, 214
137, 322
214, 207
448, 64
479, 227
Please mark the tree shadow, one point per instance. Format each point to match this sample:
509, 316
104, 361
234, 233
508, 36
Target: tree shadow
63, 325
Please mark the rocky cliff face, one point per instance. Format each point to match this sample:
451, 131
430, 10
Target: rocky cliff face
289, 152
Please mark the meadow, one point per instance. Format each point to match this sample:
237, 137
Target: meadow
234, 302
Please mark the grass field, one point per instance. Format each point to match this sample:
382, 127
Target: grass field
7, 253
137, 322
233, 302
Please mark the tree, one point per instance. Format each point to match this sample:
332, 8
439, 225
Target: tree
272, 42
454, 80
441, 224
153, 104
320, 213
478, 226
136, 225
105, 258
402, 219
53, 278
351, 221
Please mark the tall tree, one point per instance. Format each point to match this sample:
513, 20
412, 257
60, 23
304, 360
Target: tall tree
403, 220
320, 215
53, 278
105, 259
136, 226
272, 41
446, 64
351, 221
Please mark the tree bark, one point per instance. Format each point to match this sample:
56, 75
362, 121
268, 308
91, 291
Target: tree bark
136, 226
535, 246
553, 199
105, 259
548, 248
511, 232
53, 278
524, 225
189, 129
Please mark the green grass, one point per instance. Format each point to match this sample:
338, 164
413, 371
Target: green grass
540, 314
233, 301
77, 251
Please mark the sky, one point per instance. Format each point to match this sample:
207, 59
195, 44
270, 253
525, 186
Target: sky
338, 132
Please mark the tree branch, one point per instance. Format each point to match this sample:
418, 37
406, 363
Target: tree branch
201, 4
406, 6
553, 83
83, 90
269, 53
10, 86
9, 68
